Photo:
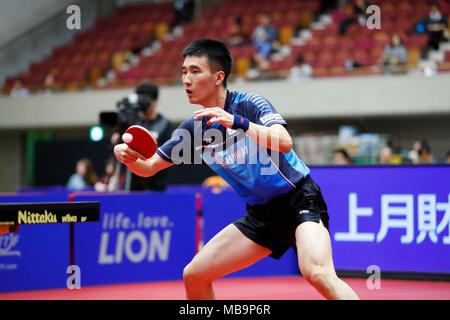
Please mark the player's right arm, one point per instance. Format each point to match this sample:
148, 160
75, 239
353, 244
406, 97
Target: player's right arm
137, 163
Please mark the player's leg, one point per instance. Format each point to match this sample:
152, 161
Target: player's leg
316, 262
228, 251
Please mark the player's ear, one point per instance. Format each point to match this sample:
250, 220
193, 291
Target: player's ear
220, 76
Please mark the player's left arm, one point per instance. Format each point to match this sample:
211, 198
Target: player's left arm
274, 137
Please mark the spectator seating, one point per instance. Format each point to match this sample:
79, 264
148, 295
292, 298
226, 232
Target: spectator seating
94, 52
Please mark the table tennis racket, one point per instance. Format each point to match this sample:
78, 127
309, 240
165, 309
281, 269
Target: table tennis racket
141, 140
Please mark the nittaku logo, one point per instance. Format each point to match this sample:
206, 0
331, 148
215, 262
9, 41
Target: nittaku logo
30, 217
303, 211
7, 243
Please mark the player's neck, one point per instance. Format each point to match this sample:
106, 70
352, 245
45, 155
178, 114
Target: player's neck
218, 99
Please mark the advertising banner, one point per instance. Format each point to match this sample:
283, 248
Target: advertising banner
396, 218
141, 237
36, 257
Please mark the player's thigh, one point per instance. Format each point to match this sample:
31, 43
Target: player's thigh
314, 248
228, 251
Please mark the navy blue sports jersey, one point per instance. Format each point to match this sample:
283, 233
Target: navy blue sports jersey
256, 173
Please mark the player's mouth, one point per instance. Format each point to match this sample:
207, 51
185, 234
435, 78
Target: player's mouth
189, 93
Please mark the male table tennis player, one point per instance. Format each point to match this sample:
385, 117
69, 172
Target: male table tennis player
285, 207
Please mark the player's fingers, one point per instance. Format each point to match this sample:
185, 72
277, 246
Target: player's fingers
133, 154
128, 157
213, 120
141, 157
201, 115
206, 113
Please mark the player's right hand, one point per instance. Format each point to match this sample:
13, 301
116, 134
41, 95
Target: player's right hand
126, 155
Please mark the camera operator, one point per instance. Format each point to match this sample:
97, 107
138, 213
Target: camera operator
160, 127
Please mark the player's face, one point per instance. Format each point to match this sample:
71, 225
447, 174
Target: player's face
198, 80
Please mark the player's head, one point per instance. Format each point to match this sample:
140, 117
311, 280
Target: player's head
217, 56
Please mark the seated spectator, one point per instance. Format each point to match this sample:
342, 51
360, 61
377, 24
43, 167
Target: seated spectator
301, 70
447, 157
341, 157
436, 24
395, 56
110, 181
265, 40
236, 33
413, 154
357, 13
424, 154
385, 156
49, 83
84, 177
184, 11
216, 184
19, 90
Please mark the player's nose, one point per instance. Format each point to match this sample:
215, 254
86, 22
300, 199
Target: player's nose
186, 79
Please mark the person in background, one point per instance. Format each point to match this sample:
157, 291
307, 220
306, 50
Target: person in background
265, 37
19, 90
236, 33
84, 176
424, 153
385, 156
161, 129
447, 157
436, 24
216, 184
110, 181
49, 83
341, 157
184, 11
301, 70
413, 154
395, 57
357, 13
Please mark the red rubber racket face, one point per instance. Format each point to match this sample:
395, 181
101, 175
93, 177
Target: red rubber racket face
143, 141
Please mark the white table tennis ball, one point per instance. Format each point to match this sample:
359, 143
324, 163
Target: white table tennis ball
127, 138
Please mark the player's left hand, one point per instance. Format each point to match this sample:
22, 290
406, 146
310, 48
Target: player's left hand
217, 115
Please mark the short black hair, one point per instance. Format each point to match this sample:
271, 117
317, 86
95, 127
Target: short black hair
148, 89
343, 152
425, 148
219, 57
435, 4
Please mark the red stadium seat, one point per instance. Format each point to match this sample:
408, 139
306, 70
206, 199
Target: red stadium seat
447, 56
416, 41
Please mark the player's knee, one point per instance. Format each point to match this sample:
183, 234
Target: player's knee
192, 274
318, 276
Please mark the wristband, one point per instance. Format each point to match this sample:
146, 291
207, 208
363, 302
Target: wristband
240, 123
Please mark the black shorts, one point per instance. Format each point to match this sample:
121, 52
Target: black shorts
272, 225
